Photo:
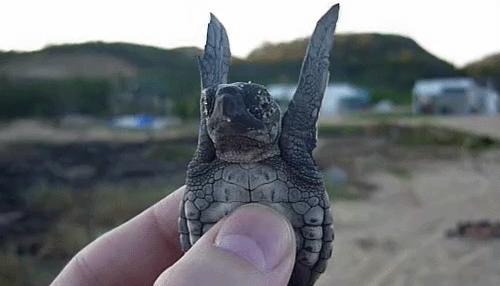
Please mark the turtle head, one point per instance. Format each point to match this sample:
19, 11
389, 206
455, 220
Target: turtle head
243, 121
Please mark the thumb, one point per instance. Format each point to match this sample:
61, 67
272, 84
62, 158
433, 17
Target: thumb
255, 245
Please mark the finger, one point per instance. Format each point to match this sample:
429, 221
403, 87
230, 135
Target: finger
134, 253
254, 246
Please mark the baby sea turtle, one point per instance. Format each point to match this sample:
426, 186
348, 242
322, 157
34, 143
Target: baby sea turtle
249, 153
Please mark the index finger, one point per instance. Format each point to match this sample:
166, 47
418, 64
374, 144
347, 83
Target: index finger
134, 253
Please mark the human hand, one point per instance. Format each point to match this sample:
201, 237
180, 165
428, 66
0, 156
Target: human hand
252, 246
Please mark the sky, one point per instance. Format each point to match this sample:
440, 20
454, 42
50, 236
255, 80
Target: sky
455, 30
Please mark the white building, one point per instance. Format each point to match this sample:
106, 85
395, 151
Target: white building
338, 99
453, 96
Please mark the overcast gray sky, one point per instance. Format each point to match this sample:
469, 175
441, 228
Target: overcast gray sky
455, 30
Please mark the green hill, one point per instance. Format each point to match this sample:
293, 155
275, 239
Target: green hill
386, 64
111, 78
114, 77
487, 69
176, 67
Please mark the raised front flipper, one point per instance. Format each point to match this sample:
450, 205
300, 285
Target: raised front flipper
214, 69
299, 132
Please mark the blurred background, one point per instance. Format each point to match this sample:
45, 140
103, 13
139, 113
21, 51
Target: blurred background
99, 111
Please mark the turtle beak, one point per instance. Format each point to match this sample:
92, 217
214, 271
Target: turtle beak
230, 112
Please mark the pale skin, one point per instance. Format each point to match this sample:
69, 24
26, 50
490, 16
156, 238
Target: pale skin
252, 246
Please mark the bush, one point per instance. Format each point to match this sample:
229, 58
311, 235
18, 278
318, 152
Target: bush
53, 98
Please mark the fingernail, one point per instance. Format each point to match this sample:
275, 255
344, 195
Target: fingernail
257, 234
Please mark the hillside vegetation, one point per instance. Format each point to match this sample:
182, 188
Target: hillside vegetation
130, 78
116, 78
388, 65
487, 68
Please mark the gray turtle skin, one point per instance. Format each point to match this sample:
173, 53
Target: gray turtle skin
249, 153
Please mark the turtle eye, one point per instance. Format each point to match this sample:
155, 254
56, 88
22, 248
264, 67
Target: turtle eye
260, 104
266, 105
256, 111
254, 106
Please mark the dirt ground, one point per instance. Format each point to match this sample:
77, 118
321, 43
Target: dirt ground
478, 125
391, 232
397, 236
481, 125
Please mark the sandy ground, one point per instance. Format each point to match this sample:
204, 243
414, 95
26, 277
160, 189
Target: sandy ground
397, 237
476, 124
35, 130
28, 130
481, 125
